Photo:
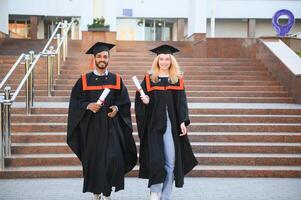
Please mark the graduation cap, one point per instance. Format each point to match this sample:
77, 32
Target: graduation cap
165, 49
99, 47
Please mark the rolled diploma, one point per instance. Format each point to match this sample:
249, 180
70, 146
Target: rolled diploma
138, 86
103, 96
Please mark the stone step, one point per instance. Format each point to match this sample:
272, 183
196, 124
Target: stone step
60, 137
198, 171
143, 69
203, 159
192, 88
17, 77
194, 127
190, 99
149, 59
7, 65
191, 77
189, 93
141, 54
146, 61
128, 81
42, 83
197, 147
52, 118
127, 56
187, 74
254, 109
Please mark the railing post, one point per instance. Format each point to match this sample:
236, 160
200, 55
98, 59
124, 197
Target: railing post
1, 135
58, 37
6, 122
66, 38
50, 63
27, 87
63, 30
31, 78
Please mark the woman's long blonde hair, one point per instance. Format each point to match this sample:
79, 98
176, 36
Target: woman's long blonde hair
174, 70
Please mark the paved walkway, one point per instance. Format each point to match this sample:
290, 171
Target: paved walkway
135, 189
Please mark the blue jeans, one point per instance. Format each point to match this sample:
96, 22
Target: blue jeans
169, 152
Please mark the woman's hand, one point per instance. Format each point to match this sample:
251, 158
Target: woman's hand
145, 99
183, 129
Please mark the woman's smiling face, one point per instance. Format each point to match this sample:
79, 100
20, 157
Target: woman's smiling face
164, 61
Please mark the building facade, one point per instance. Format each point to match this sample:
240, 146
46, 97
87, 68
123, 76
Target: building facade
147, 19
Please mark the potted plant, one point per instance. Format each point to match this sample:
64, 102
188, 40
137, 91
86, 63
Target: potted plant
98, 25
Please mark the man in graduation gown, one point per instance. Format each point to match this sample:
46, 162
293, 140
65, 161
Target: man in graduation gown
166, 99
101, 135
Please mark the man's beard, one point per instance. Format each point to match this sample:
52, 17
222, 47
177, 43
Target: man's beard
101, 65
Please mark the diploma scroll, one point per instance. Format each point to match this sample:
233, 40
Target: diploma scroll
138, 86
103, 96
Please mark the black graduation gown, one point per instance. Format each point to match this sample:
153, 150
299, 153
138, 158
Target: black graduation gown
104, 145
151, 122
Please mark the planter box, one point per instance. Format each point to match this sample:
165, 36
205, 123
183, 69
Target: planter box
100, 29
91, 37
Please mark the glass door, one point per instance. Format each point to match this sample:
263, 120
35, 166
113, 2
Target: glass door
158, 30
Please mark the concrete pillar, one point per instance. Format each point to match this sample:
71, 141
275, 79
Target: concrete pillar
34, 27
87, 15
110, 14
251, 28
98, 8
212, 20
180, 29
75, 33
4, 16
175, 31
197, 20
41, 29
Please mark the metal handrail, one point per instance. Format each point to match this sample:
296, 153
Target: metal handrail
63, 38
12, 69
13, 98
295, 34
60, 24
30, 64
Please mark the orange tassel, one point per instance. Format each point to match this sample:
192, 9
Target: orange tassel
91, 66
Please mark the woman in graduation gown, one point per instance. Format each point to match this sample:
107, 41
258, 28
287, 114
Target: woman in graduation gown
101, 136
162, 116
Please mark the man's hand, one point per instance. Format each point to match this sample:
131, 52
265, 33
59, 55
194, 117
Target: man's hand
183, 129
94, 107
114, 111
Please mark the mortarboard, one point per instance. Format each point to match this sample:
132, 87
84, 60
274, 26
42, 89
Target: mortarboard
99, 47
165, 49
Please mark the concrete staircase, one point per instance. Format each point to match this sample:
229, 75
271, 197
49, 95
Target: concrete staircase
244, 123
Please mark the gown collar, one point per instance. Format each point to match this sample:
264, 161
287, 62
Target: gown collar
98, 74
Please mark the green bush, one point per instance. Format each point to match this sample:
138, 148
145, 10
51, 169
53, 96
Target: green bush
98, 23
298, 53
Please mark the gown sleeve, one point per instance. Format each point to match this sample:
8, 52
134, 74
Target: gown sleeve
125, 121
124, 105
140, 111
183, 114
77, 108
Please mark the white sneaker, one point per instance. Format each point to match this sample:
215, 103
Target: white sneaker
105, 198
155, 196
95, 196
